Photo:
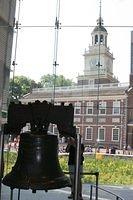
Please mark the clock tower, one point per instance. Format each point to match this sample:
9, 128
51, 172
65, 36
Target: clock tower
98, 60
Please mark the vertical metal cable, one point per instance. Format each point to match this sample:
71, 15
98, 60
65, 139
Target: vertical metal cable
78, 167
57, 27
98, 72
16, 45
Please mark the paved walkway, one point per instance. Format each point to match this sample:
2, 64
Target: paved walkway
58, 194
62, 194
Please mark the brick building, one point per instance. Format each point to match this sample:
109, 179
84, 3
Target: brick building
100, 101
7, 15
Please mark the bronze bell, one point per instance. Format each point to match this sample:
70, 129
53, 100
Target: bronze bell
37, 166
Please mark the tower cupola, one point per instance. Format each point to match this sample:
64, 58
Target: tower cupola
99, 34
98, 60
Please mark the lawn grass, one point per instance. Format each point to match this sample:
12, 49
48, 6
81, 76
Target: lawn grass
113, 170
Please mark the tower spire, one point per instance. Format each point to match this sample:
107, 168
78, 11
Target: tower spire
100, 20
100, 6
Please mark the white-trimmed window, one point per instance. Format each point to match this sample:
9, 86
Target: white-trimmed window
101, 134
102, 108
116, 107
88, 133
89, 109
77, 108
115, 134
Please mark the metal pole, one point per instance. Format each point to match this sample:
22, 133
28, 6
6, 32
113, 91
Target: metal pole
77, 170
18, 194
57, 27
91, 187
97, 176
11, 196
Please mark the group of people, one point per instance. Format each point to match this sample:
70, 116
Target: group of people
71, 149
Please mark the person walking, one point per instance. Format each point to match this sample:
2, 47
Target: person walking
71, 149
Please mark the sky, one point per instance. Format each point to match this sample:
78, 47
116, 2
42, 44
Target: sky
35, 46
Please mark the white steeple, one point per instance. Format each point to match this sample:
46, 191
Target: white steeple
99, 34
98, 51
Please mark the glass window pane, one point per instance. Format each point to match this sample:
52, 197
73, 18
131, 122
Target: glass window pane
101, 134
88, 135
115, 136
116, 107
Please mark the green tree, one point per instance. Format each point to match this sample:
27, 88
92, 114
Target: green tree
58, 80
21, 85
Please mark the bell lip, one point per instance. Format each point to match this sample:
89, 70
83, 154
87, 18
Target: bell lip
60, 182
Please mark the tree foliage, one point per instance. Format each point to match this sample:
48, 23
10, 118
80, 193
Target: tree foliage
21, 85
58, 80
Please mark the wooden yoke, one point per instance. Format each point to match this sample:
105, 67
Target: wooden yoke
39, 115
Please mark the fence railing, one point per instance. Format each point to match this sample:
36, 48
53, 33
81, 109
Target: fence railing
97, 188
96, 174
116, 197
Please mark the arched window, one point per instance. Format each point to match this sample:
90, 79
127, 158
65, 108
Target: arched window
105, 40
92, 40
101, 39
96, 39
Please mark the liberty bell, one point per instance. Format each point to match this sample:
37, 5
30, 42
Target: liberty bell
37, 166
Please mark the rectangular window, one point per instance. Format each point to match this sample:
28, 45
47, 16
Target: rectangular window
115, 134
77, 108
88, 133
89, 109
101, 134
116, 107
102, 108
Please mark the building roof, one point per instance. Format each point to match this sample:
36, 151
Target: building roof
78, 92
99, 26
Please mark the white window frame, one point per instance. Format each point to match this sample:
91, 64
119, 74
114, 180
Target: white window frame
102, 107
99, 139
77, 107
116, 105
89, 107
115, 133
86, 133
